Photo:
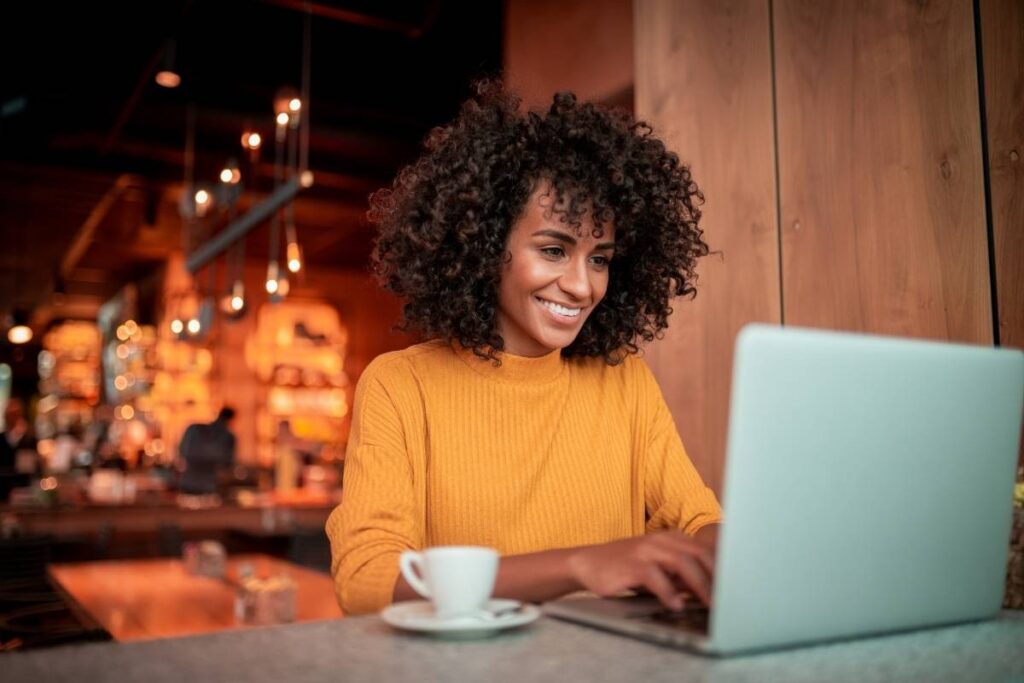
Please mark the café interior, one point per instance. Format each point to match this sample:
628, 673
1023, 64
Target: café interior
183, 198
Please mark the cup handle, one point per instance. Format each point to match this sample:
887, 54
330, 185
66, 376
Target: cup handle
411, 564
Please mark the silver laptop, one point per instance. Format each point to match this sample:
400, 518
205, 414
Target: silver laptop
868, 489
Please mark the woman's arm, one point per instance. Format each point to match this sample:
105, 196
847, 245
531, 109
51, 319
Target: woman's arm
669, 564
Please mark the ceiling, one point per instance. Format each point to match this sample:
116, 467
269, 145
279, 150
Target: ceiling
92, 151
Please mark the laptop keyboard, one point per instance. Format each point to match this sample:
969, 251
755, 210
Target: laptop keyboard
690, 618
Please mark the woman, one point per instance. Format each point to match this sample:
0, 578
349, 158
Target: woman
535, 252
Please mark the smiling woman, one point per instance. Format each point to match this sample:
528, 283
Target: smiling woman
552, 280
536, 252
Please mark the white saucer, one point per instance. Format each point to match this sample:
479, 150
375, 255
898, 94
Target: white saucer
419, 616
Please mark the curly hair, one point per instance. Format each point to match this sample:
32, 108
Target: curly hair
444, 223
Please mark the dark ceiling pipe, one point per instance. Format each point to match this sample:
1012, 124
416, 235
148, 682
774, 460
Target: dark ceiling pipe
367, 20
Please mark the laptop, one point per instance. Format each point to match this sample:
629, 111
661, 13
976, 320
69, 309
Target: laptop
868, 489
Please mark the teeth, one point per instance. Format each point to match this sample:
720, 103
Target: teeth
561, 310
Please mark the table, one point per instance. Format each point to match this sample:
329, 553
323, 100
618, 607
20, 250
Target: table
366, 649
157, 598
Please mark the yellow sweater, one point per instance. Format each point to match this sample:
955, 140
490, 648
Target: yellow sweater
539, 453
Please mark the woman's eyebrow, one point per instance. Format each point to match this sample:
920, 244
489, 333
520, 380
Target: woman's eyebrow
555, 234
569, 239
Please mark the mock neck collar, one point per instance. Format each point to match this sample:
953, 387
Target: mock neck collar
515, 369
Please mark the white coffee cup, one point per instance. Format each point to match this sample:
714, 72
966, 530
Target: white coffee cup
457, 579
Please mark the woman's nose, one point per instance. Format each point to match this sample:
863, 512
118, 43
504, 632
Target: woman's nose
575, 281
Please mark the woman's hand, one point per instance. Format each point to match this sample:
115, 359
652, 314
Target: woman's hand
667, 563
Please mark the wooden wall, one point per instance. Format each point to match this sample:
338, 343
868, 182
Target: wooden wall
704, 81
581, 45
840, 147
880, 172
1002, 41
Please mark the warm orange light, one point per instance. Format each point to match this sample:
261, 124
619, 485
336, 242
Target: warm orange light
294, 257
120, 383
251, 140
19, 334
168, 79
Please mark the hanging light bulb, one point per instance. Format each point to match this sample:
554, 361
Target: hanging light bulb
194, 326
168, 75
19, 334
251, 140
272, 277
294, 257
177, 327
287, 106
203, 199
238, 296
230, 174
232, 304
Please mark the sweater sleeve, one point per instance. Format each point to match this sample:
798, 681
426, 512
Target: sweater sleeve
376, 520
675, 496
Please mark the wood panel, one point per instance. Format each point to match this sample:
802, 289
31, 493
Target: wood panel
581, 45
704, 82
880, 169
1002, 41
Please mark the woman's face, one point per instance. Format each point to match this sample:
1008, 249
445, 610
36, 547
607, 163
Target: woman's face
554, 278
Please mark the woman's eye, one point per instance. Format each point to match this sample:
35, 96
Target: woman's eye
601, 261
554, 252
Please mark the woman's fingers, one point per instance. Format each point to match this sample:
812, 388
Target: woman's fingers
691, 571
684, 545
658, 583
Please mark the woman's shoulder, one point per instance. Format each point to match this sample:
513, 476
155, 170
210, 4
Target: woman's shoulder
404, 363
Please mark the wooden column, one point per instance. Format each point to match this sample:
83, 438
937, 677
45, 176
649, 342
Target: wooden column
880, 169
704, 82
1002, 42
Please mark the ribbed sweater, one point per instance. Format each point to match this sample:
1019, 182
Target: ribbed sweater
535, 454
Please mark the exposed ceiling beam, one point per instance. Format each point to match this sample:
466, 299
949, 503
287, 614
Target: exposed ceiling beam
87, 232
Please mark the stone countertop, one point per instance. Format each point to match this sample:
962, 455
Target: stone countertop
366, 649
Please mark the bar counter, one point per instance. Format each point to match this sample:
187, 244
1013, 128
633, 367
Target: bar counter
366, 649
71, 520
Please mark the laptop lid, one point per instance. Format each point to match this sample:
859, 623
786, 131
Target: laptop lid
868, 486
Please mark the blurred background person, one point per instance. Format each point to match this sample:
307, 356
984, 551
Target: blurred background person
18, 457
205, 451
